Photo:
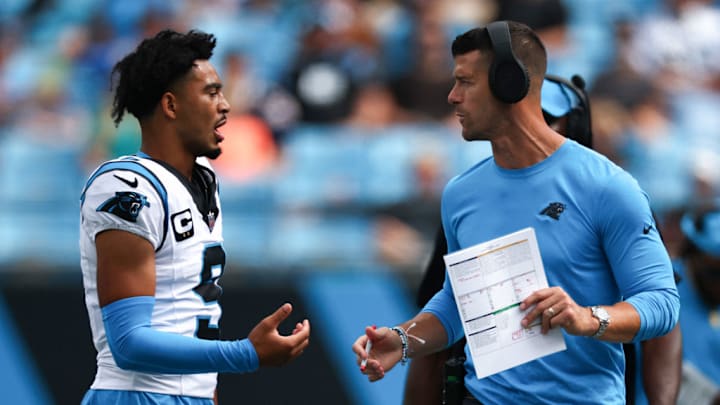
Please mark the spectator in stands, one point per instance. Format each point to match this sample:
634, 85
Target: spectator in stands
650, 144
422, 89
338, 54
678, 47
250, 150
551, 20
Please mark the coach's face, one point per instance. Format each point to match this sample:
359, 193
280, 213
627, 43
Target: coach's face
201, 109
474, 104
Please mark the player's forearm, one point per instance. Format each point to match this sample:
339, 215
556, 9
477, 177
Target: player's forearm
138, 347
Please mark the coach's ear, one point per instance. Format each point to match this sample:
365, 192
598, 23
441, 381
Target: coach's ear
167, 104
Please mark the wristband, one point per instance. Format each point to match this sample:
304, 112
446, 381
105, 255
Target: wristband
404, 339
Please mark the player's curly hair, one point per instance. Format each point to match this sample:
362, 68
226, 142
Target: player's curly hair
148, 72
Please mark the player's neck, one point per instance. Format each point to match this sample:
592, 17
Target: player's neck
171, 154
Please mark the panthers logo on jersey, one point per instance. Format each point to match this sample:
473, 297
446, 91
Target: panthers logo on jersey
125, 204
553, 210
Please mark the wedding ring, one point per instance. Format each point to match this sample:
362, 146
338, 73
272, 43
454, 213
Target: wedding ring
551, 312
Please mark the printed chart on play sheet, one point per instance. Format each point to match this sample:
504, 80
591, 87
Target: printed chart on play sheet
489, 281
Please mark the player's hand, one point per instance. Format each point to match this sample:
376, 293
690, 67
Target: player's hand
386, 351
274, 349
554, 308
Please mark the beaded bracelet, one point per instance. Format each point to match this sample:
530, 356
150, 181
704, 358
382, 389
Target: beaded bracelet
404, 339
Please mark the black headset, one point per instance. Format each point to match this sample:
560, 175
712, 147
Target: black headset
579, 126
508, 77
510, 82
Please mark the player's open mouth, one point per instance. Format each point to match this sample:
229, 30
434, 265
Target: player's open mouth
218, 136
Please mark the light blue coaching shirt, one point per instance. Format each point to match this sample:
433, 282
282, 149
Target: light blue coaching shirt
600, 245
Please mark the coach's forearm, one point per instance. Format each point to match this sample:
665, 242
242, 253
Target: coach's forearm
426, 335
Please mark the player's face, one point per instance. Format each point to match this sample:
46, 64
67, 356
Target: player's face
202, 109
471, 96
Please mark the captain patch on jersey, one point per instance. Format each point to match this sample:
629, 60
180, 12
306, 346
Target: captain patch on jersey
182, 224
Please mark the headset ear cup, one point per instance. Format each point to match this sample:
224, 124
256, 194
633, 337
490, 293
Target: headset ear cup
508, 78
509, 81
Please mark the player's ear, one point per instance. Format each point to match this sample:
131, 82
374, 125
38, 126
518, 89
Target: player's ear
168, 104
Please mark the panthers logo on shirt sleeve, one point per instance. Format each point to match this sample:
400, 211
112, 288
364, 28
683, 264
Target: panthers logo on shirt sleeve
125, 204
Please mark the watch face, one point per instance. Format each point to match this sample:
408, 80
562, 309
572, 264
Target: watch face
602, 315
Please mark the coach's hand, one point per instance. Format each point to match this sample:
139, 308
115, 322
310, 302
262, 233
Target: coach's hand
272, 348
385, 353
554, 308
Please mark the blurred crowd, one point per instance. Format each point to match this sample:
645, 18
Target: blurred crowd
340, 138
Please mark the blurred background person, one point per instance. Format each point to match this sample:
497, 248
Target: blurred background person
699, 263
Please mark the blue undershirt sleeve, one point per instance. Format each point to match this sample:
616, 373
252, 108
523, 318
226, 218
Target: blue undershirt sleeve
442, 304
136, 346
637, 257
651, 309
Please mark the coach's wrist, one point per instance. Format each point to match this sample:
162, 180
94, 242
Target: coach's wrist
403, 341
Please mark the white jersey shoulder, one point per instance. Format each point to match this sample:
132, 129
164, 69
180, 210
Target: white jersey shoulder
140, 196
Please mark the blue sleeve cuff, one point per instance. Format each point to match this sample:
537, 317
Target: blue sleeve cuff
136, 346
659, 311
443, 306
248, 354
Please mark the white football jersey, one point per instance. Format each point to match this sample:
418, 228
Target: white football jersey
139, 195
